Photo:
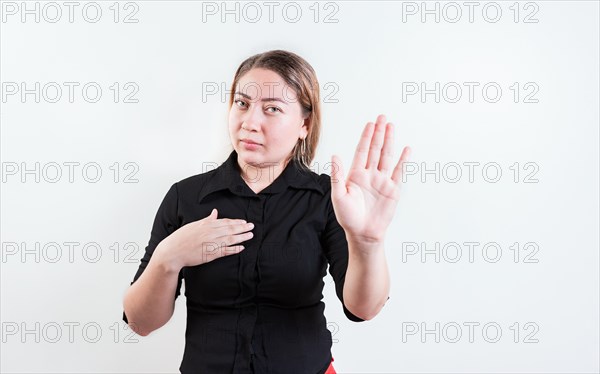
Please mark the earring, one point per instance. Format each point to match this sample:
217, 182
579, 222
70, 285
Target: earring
303, 152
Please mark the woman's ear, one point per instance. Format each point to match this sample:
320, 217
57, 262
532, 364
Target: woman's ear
304, 129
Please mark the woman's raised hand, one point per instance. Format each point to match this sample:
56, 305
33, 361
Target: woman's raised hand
205, 240
365, 202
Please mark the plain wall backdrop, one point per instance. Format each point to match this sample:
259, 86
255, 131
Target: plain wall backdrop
493, 251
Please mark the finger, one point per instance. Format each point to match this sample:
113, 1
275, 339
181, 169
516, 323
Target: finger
224, 221
362, 149
238, 238
337, 177
227, 241
232, 250
232, 239
229, 230
211, 219
397, 174
229, 221
214, 253
387, 152
376, 142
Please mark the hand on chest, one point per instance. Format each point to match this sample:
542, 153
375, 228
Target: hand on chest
282, 264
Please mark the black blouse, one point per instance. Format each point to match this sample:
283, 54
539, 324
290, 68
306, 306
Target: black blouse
259, 311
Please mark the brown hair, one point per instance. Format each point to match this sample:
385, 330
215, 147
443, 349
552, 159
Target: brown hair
301, 77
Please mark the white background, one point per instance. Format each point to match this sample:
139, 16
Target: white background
363, 63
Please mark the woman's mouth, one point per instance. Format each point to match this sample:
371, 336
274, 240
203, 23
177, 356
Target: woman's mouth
250, 145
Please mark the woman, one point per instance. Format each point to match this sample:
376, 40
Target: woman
253, 238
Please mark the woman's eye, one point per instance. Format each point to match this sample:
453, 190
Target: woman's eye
242, 104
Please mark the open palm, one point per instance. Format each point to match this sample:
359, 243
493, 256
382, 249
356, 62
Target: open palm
365, 202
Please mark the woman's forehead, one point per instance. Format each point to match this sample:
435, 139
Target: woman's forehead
262, 83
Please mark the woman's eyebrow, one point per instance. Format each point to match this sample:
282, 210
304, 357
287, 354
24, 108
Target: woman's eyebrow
263, 99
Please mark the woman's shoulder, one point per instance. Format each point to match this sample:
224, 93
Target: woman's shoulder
194, 183
212, 171
313, 177
324, 181
196, 178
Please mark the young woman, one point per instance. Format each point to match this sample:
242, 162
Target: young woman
253, 237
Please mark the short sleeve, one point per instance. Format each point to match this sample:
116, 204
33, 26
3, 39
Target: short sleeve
166, 222
335, 246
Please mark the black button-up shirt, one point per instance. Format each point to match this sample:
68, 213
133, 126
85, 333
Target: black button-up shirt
258, 311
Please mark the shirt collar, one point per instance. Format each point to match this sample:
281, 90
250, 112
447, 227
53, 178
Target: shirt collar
227, 176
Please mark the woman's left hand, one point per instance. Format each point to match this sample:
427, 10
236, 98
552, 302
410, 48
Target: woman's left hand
365, 202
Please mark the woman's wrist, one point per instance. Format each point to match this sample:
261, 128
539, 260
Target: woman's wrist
164, 260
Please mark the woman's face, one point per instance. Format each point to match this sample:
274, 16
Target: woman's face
265, 111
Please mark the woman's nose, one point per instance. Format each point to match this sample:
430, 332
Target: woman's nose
251, 121
250, 125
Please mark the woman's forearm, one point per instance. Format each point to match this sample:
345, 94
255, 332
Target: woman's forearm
150, 301
367, 283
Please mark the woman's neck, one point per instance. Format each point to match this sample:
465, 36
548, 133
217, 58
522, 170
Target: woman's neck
259, 177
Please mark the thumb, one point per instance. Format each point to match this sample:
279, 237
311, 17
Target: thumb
337, 176
214, 213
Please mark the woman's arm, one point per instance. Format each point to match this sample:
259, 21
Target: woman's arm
364, 205
150, 301
367, 285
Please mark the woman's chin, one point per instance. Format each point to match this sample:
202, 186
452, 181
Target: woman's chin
248, 158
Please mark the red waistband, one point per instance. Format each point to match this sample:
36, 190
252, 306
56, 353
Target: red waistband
330, 369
